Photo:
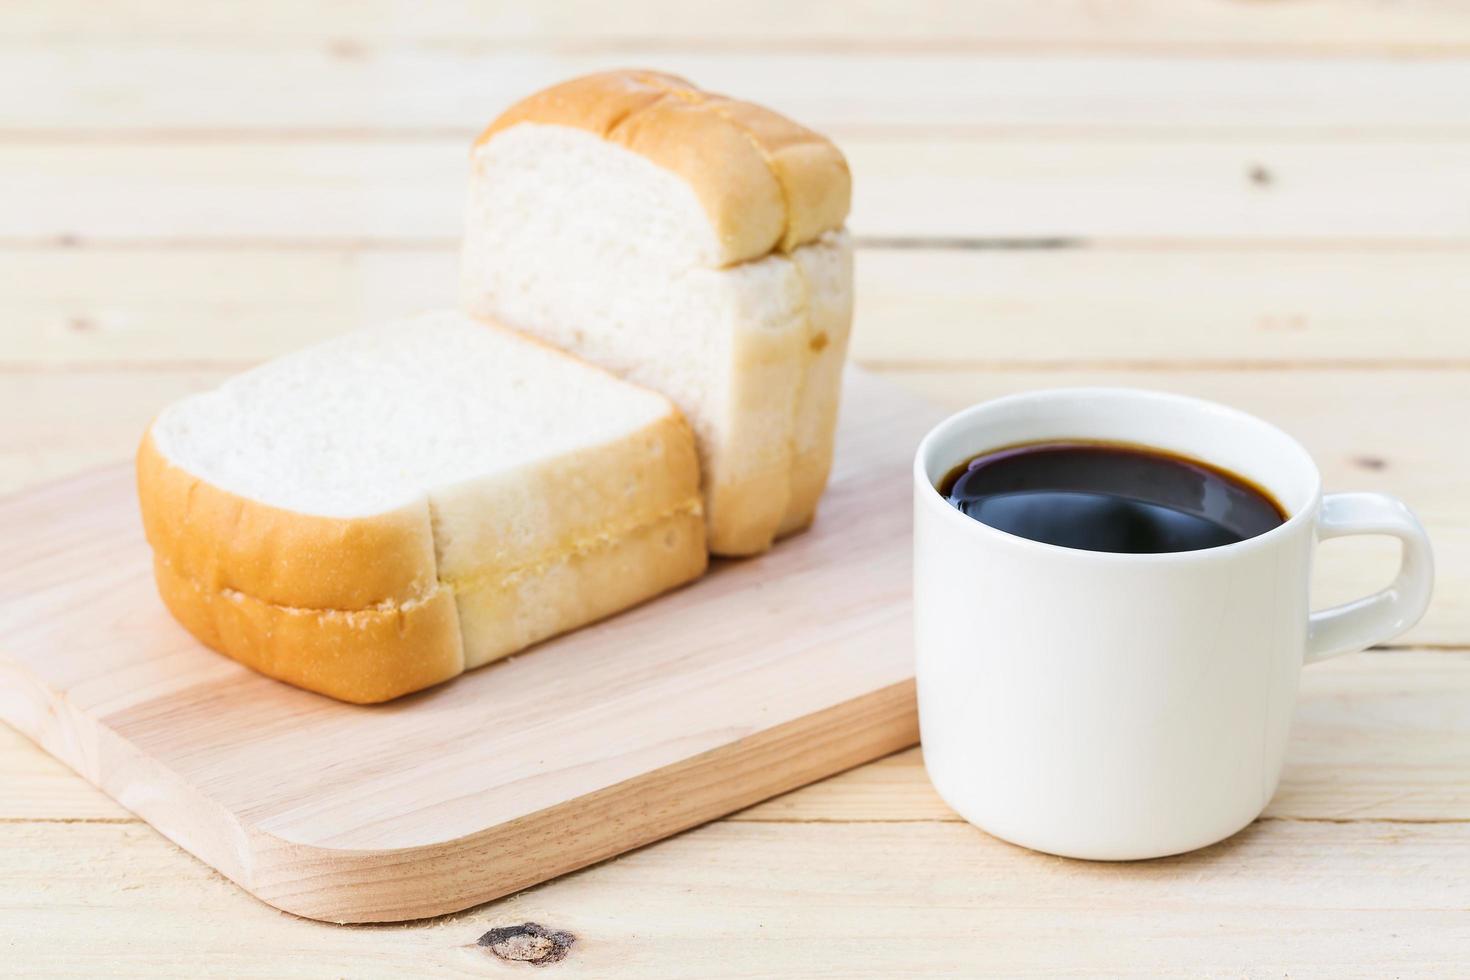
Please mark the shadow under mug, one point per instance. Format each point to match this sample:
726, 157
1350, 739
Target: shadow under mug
1120, 706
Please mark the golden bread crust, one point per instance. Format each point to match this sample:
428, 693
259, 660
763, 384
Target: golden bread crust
765, 183
362, 656
227, 542
373, 655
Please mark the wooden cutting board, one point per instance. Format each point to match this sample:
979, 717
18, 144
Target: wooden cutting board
767, 674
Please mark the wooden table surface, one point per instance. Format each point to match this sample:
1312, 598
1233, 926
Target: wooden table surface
1265, 204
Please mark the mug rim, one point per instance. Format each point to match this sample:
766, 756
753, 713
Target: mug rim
965, 415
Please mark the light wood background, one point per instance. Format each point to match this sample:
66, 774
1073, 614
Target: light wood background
1262, 203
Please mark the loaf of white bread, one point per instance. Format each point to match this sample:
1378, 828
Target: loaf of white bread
380, 512
693, 244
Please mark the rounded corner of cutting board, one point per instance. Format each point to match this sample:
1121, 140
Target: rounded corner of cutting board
199, 754
345, 885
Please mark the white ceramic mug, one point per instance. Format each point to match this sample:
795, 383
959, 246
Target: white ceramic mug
1118, 706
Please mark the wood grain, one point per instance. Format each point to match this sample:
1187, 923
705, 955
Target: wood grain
1418, 26
99, 86
742, 900
1377, 736
168, 306
1255, 187
1163, 307
38, 787
610, 737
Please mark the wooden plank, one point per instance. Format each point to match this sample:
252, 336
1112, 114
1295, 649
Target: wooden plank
1162, 306
1417, 26
748, 900
200, 190
89, 87
1377, 736
948, 186
167, 306
59, 423
1278, 305
1365, 428
720, 694
1177, 186
38, 787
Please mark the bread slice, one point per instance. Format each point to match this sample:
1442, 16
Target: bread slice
690, 243
382, 511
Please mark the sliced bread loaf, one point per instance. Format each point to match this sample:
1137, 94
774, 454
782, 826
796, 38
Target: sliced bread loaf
690, 243
379, 512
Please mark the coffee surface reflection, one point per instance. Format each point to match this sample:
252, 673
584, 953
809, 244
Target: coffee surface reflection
1110, 497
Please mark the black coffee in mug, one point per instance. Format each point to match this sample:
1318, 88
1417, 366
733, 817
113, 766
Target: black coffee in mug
1099, 496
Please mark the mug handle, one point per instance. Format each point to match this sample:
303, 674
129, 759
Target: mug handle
1372, 619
